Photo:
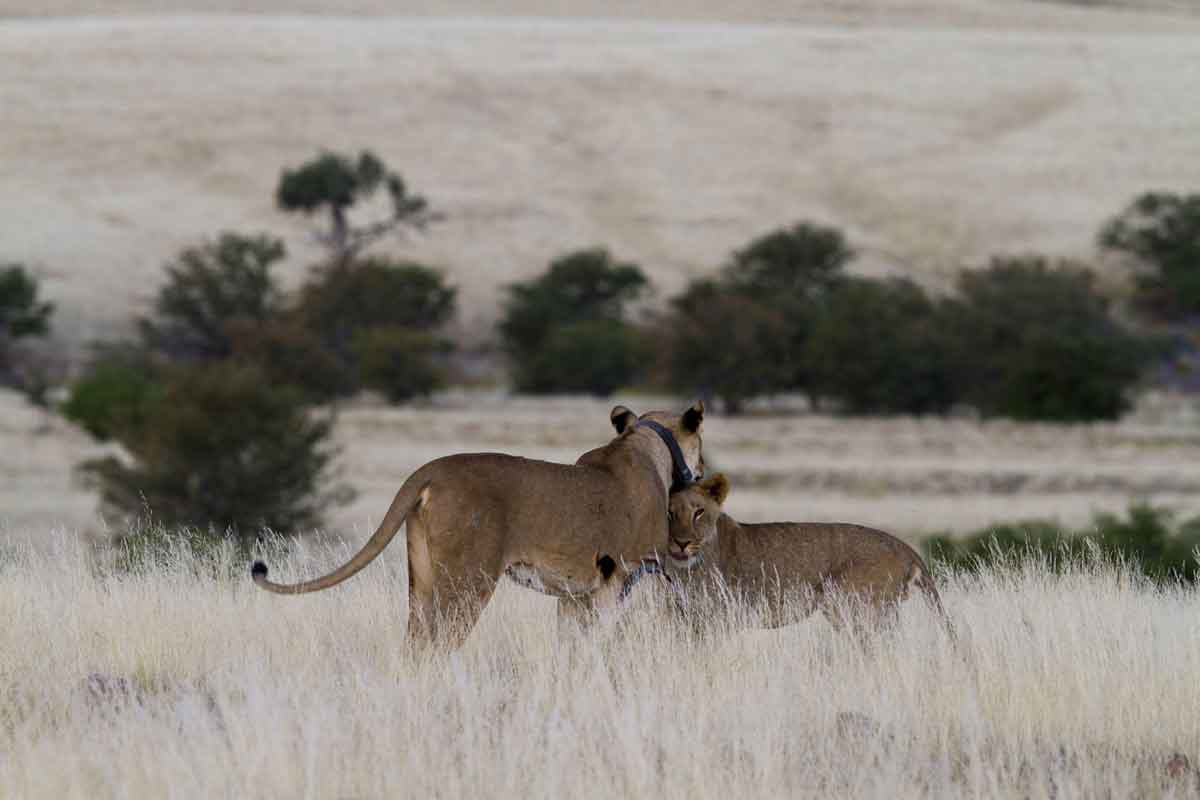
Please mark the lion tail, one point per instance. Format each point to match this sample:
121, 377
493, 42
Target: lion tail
407, 499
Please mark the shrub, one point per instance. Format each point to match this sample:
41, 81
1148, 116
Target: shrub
882, 346
790, 267
149, 546
22, 314
222, 447
373, 293
400, 362
115, 394
336, 183
722, 343
586, 286
745, 333
209, 287
595, 356
1161, 233
289, 354
1145, 539
1036, 342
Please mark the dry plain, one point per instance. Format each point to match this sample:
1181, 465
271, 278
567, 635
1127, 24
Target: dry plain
935, 131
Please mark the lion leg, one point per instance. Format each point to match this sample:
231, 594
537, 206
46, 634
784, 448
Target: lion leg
444, 614
448, 588
422, 609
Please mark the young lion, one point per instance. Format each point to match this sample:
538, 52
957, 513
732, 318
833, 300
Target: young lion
569, 530
778, 562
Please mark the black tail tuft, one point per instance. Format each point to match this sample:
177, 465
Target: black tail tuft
259, 570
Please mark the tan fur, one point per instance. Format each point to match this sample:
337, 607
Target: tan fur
573, 531
781, 564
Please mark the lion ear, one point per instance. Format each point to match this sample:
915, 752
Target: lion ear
716, 487
622, 418
693, 417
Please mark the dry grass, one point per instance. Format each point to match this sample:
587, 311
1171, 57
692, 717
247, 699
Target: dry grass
935, 131
166, 683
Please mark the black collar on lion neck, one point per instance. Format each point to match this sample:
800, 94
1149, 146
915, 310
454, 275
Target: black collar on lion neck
681, 474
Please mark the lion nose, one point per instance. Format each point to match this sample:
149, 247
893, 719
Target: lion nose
682, 545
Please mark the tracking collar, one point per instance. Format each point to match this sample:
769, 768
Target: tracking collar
647, 566
681, 474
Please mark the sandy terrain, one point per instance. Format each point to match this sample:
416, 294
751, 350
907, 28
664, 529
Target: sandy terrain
910, 476
934, 132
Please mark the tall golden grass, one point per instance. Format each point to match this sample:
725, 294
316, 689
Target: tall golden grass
184, 680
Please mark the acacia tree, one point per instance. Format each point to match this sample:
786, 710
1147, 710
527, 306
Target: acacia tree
334, 183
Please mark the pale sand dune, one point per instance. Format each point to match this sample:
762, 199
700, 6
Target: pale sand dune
960, 130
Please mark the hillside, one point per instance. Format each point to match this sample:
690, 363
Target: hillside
936, 133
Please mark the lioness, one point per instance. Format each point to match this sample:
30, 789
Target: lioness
777, 562
567, 530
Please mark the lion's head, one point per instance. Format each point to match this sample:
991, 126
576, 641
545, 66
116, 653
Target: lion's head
692, 519
685, 428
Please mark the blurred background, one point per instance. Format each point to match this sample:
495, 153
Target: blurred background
934, 264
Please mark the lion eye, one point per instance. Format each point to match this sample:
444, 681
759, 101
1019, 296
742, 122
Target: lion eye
699, 513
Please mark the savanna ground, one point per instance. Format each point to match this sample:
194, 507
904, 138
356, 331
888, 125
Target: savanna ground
935, 132
182, 679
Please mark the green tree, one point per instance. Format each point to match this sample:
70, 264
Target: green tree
223, 447
336, 183
115, 394
1161, 233
596, 356
290, 354
721, 343
342, 306
1036, 341
22, 314
584, 286
883, 346
207, 288
792, 271
400, 362
745, 333
376, 292
791, 267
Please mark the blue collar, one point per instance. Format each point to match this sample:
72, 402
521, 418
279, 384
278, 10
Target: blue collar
681, 475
